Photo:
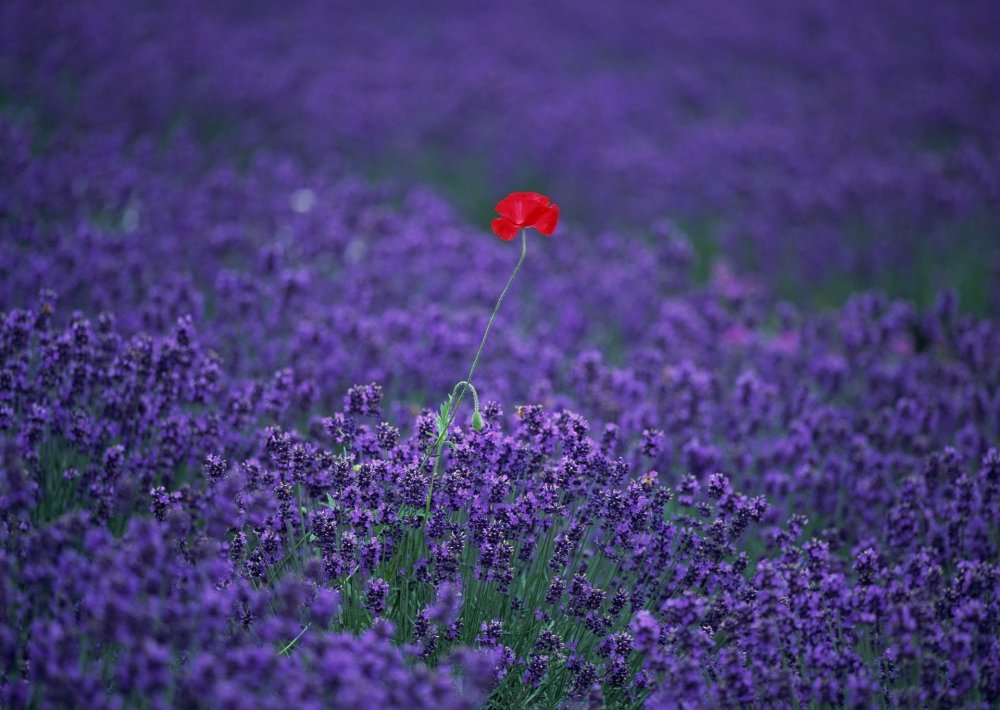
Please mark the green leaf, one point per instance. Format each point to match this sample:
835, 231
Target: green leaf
444, 414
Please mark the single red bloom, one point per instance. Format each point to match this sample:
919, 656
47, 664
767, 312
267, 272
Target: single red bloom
520, 210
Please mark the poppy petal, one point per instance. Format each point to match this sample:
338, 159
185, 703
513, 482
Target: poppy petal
515, 208
522, 208
546, 223
504, 228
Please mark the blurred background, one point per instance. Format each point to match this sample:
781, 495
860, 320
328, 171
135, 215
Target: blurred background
816, 146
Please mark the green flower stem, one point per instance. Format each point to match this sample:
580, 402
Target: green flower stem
288, 646
475, 395
466, 383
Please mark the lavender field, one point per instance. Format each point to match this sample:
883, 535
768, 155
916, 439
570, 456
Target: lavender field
732, 437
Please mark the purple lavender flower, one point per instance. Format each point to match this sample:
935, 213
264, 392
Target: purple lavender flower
376, 596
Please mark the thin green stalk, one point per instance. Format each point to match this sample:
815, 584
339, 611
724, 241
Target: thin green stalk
453, 410
288, 646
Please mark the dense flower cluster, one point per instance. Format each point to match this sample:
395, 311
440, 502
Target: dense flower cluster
139, 561
219, 482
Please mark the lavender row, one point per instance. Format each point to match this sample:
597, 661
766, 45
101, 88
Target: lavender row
175, 536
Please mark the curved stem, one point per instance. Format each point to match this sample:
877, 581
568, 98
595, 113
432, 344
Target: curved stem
475, 395
466, 383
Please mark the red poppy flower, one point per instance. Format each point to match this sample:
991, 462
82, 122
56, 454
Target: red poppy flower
520, 210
